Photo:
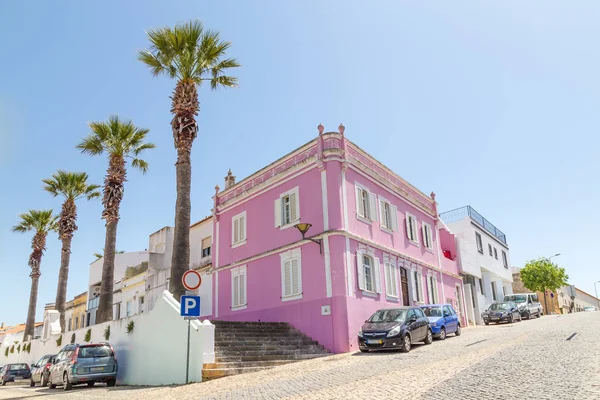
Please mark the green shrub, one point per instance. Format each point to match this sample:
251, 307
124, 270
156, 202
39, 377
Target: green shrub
88, 336
12, 349
130, 326
73, 338
18, 348
29, 348
59, 341
6, 352
107, 332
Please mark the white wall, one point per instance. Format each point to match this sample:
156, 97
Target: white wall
153, 354
122, 261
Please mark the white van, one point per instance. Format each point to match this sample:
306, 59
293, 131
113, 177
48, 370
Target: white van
528, 304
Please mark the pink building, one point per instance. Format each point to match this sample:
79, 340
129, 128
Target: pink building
381, 243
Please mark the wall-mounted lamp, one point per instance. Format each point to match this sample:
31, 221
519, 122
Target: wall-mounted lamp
303, 228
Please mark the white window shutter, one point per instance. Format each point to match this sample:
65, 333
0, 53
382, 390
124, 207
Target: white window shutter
424, 233
288, 278
414, 285
283, 278
295, 275
377, 273
422, 287
388, 279
394, 217
359, 203
277, 213
360, 270
294, 207
242, 229
396, 283
381, 211
235, 292
236, 231
372, 207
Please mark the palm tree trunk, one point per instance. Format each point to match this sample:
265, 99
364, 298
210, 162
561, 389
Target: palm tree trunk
184, 107
181, 236
105, 308
33, 294
63, 278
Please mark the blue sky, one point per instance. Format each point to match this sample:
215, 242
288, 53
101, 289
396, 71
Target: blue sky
492, 104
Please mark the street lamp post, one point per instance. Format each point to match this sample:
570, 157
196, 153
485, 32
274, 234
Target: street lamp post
597, 299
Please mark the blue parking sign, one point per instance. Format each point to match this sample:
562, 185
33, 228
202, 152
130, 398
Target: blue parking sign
190, 306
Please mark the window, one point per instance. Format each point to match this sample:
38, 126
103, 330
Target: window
368, 273
238, 288
69, 324
417, 286
118, 311
479, 243
448, 310
76, 326
490, 249
427, 235
420, 313
291, 275
411, 313
411, 228
206, 244
495, 253
504, 259
129, 309
481, 286
432, 289
391, 280
287, 209
141, 305
494, 291
389, 215
366, 204
238, 229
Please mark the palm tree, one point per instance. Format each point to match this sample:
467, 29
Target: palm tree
121, 141
72, 186
191, 55
100, 255
41, 222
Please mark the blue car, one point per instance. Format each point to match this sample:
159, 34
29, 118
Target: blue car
443, 320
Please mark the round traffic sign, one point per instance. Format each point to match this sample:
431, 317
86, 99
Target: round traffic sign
191, 280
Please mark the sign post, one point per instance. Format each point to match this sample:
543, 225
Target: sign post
190, 309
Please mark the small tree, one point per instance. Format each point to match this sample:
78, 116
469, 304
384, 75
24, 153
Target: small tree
59, 341
73, 338
88, 336
541, 274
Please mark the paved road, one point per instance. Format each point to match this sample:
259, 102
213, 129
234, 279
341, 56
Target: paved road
530, 359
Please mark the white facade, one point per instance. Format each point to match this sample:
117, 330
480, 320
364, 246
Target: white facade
161, 252
582, 300
484, 259
122, 262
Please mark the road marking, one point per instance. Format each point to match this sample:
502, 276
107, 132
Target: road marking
471, 344
572, 336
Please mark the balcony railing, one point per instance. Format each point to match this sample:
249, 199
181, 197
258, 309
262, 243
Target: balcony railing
468, 211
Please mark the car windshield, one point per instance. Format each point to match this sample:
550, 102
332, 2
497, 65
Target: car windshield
517, 298
500, 306
432, 311
95, 351
17, 367
388, 316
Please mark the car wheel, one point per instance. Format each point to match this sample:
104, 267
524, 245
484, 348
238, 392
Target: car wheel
487, 323
44, 381
2, 383
528, 315
67, 385
406, 344
111, 383
50, 383
363, 350
91, 383
31, 383
458, 332
510, 319
429, 337
442, 334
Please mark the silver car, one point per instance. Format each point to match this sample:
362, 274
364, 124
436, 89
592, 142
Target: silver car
84, 363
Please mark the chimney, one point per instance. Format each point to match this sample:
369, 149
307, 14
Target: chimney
49, 306
229, 180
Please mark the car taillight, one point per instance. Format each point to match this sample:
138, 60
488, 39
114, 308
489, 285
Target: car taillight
75, 355
113, 351
48, 365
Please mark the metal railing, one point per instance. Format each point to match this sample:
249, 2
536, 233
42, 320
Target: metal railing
468, 211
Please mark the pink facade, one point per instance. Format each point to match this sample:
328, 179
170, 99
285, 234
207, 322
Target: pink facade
372, 257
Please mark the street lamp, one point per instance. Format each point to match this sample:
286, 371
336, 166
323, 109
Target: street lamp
303, 228
597, 299
556, 255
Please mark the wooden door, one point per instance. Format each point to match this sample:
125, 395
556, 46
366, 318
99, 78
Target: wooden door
404, 283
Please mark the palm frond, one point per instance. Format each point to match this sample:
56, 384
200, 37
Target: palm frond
70, 185
140, 164
36, 220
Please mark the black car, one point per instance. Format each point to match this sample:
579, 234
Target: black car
41, 370
12, 372
395, 328
501, 312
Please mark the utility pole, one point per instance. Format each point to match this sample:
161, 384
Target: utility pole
597, 299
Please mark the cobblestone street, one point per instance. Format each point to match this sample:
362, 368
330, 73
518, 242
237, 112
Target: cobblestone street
529, 359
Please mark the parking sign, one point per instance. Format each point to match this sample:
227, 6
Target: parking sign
190, 306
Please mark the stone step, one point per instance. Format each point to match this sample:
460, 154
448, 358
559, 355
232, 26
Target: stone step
208, 374
261, 342
256, 331
247, 364
267, 357
253, 324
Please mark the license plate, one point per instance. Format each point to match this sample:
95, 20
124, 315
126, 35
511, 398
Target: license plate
374, 341
495, 318
96, 369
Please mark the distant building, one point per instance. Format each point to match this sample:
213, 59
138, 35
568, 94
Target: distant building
484, 259
579, 303
75, 312
15, 334
550, 303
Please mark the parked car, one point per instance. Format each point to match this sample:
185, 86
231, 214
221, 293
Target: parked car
527, 303
395, 328
41, 370
12, 372
442, 320
589, 308
500, 312
84, 363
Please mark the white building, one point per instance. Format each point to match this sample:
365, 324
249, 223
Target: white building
123, 261
483, 259
161, 251
581, 300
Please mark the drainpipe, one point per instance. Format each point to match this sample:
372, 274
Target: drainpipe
439, 246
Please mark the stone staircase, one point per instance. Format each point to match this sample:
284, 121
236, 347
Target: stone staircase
242, 347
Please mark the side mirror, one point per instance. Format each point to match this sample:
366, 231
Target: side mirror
412, 319
446, 315
55, 361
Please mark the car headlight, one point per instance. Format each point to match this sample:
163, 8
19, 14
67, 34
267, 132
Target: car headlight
434, 324
360, 333
504, 314
394, 331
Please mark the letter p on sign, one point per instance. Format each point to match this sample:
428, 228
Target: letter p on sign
190, 306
